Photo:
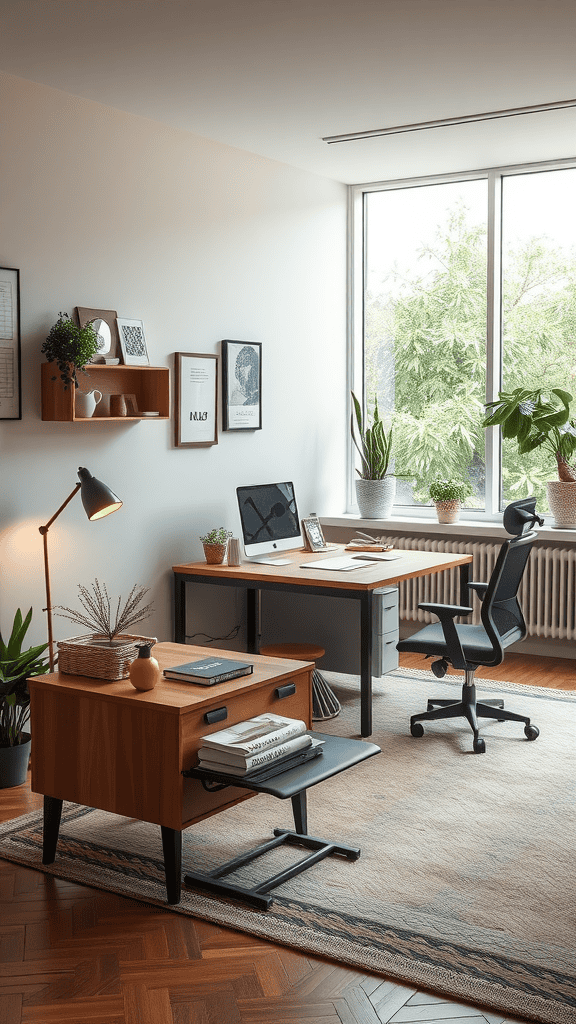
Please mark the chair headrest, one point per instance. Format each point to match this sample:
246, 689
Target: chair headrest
520, 516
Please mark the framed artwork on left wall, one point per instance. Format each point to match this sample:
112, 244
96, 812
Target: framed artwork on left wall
10, 358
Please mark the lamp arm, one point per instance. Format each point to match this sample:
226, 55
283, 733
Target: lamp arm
44, 531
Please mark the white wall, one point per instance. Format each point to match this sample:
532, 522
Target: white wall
201, 242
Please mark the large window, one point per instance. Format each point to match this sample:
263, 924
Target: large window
464, 287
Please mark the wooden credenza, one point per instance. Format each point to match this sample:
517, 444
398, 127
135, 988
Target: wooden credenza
106, 745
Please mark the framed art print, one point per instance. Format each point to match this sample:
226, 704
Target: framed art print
10, 384
132, 342
104, 322
241, 385
196, 399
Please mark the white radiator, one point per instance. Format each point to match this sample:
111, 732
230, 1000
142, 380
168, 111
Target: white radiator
546, 593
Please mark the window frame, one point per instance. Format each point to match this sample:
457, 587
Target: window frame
494, 176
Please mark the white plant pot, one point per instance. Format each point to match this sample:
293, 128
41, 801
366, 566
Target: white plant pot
376, 497
562, 502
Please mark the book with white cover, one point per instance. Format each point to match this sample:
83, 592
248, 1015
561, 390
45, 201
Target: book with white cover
255, 734
207, 756
268, 768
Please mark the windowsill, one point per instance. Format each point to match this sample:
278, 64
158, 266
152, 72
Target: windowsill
463, 528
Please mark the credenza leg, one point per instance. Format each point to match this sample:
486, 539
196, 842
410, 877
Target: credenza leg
51, 828
300, 812
172, 849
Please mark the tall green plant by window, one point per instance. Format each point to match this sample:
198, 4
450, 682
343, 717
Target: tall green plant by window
372, 442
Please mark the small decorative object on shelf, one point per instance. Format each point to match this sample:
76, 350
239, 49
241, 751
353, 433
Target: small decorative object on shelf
448, 497
215, 545
144, 670
71, 347
107, 652
132, 341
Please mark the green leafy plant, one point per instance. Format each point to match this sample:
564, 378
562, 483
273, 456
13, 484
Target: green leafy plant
537, 418
15, 667
216, 536
373, 443
70, 346
450, 490
98, 615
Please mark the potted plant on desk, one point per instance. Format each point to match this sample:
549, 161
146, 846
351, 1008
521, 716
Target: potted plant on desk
216, 544
540, 418
376, 486
15, 667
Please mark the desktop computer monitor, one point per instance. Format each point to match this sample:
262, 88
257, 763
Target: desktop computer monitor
269, 519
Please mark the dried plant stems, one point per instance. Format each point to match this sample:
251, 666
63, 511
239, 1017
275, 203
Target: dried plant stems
97, 614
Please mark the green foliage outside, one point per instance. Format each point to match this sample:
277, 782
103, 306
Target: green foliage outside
425, 354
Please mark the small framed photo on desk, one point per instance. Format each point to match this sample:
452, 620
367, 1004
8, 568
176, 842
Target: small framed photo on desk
312, 534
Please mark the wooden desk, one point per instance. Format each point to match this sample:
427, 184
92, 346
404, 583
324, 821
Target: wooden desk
357, 585
104, 744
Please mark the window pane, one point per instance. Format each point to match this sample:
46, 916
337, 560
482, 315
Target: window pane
425, 329
539, 308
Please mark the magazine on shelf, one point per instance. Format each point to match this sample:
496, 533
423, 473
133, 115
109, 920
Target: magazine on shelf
272, 768
255, 734
208, 671
208, 756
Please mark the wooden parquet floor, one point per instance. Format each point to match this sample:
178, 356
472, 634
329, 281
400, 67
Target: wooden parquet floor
74, 955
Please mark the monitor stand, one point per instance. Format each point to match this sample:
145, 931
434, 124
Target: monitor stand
271, 561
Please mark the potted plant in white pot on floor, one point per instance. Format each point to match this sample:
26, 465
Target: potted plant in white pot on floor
376, 486
15, 667
540, 417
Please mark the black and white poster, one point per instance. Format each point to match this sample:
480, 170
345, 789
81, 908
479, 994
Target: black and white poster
196, 399
242, 385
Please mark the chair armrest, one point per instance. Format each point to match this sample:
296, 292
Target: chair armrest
480, 588
446, 611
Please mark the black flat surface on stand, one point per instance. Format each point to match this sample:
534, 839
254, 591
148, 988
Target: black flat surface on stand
338, 754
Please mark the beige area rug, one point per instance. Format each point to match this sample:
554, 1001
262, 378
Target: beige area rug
466, 881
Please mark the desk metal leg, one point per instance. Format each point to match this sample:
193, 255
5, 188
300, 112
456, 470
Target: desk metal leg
52, 816
179, 611
299, 809
366, 664
253, 605
172, 849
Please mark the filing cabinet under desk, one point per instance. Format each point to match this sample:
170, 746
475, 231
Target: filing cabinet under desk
385, 630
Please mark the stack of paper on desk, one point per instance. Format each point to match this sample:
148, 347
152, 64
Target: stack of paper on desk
259, 743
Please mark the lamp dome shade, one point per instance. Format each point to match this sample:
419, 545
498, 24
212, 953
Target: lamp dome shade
97, 498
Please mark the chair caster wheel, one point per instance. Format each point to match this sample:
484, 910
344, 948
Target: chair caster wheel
479, 746
416, 729
531, 732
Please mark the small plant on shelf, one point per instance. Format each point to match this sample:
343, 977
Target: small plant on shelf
216, 536
450, 490
98, 615
70, 346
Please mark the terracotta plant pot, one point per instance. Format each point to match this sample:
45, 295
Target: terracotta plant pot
215, 554
448, 511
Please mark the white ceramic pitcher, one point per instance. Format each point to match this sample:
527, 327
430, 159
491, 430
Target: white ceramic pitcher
86, 402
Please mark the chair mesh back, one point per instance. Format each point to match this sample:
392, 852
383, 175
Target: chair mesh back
501, 610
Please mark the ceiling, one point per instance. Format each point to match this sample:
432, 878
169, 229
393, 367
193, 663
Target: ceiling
276, 76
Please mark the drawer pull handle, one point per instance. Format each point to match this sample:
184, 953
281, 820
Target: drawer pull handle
218, 715
285, 691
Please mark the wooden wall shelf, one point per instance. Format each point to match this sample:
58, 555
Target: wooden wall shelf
150, 385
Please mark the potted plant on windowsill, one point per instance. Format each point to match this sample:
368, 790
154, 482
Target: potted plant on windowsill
376, 486
540, 417
15, 667
448, 497
216, 544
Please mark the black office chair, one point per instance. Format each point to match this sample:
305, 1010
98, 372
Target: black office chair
467, 646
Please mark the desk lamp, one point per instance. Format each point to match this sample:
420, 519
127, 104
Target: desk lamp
98, 501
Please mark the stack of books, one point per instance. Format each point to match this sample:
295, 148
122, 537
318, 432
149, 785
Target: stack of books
258, 748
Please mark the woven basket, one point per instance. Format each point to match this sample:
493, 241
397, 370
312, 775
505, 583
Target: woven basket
91, 656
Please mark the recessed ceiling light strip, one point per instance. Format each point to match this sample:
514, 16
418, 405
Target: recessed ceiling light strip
442, 123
